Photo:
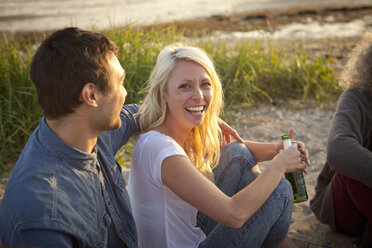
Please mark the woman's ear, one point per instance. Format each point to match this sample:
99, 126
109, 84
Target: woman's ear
89, 94
165, 98
165, 95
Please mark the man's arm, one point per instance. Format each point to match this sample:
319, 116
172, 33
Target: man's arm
129, 126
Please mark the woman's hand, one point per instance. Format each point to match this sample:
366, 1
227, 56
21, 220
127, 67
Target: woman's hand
290, 159
227, 132
303, 151
304, 155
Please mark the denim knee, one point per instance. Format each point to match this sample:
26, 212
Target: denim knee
234, 147
284, 189
237, 150
236, 154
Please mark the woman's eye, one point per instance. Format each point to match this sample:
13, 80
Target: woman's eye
184, 86
206, 84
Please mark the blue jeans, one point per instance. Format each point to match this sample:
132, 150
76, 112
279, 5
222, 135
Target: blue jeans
268, 226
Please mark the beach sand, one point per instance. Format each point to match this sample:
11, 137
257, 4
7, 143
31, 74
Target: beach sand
267, 122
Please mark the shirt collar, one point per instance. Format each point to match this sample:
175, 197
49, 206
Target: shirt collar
59, 148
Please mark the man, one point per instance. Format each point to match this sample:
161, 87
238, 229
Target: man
66, 189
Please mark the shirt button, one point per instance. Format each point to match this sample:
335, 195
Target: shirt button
109, 202
122, 230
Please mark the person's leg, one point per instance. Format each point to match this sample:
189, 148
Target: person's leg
366, 241
233, 173
281, 214
352, 205
268, 226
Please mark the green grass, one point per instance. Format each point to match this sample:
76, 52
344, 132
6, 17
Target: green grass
19, 111
251, 72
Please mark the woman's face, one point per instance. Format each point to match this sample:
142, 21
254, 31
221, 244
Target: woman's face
188, 96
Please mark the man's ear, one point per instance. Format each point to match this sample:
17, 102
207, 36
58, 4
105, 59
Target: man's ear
89, 94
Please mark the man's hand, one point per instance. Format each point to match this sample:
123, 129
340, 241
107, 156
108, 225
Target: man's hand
227, 132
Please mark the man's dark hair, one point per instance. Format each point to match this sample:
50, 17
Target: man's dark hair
66, 61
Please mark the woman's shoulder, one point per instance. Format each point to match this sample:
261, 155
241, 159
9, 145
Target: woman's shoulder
156, 141
152, 148
154, 136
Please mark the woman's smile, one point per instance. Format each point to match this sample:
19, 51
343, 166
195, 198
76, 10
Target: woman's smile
196, 110
189, 93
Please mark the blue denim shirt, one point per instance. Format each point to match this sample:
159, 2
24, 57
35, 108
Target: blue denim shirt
58, 196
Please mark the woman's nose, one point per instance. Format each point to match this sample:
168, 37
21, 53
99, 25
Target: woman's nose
197, 94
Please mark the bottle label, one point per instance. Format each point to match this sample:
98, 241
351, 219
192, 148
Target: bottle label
300, 184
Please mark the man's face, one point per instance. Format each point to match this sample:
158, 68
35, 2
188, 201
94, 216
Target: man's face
108, 116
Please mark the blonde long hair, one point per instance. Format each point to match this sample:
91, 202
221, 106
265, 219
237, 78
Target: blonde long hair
203, 143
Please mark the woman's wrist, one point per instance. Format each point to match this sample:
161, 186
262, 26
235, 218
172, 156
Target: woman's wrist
277, 147
277, 167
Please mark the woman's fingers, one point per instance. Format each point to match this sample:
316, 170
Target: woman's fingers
301, 148
304, 153
302, 161
227, 138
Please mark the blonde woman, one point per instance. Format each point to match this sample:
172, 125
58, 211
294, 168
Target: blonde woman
174, 172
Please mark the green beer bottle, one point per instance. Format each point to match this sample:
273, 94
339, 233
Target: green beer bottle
296, 178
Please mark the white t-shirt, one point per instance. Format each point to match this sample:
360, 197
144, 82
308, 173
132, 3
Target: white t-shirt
162, 218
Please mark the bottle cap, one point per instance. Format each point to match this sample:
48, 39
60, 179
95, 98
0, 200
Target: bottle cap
286, 137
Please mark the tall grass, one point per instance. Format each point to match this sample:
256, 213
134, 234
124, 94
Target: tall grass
137, 54
19, 111
258, 71
250, 72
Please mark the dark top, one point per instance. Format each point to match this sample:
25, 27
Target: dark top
349, 150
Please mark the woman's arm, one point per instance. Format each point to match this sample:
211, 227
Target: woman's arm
263, 151
227, 132
179, 175
266, 151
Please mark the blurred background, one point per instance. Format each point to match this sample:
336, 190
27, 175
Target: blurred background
44, 15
